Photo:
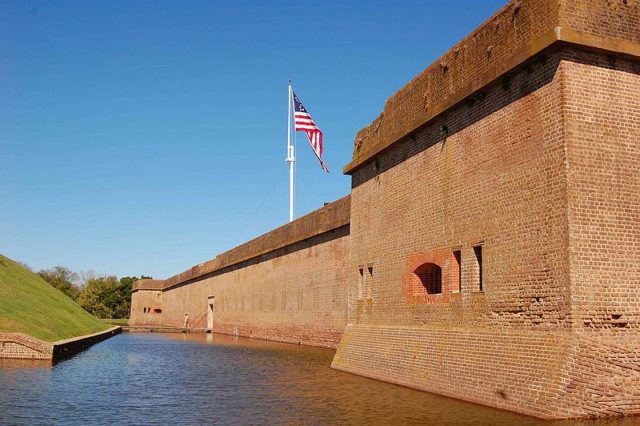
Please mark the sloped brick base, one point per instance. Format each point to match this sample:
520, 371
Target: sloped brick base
23, 346
543, 374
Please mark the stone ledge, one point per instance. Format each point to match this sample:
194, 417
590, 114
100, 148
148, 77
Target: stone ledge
64, 348
148, 284
23, 346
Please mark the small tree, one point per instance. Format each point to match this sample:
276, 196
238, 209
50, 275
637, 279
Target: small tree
102, 296
107, 297
92, 297
63, 279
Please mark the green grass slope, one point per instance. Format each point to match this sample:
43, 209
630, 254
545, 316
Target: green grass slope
28, 304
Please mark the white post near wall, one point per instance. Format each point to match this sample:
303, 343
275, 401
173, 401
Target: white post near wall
291, 158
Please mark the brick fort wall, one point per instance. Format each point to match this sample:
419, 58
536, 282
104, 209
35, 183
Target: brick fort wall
294, 290
490, 249
495, 218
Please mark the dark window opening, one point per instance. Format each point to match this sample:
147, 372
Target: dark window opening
430, 275
477, 250
458, 257
157, 310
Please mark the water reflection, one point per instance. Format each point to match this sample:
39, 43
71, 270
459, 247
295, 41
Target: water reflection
7, 364
197, 378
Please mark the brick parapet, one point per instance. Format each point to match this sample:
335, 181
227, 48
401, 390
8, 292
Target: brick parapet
520, 30
148, 284
328, 218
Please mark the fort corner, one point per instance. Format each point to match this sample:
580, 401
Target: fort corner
489, 248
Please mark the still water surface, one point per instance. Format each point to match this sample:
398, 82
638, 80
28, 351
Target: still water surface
155, 378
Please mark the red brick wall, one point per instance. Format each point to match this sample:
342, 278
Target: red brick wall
300, 297
542, 171
607, 18
602, 110
497, 179
603, 149
288, 285
144, 306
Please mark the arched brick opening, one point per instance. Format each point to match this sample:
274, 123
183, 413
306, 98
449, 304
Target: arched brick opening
430, 276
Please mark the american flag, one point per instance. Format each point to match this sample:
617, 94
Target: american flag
304, 123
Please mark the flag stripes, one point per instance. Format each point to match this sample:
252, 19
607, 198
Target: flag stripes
304, 123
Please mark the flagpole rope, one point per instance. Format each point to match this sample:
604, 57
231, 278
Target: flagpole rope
255, 212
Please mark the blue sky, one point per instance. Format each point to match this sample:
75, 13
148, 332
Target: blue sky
146, 137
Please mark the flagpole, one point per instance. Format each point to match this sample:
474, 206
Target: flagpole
291, 159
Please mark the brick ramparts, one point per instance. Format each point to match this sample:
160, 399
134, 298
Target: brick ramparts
496, 214
287, 285
491, 249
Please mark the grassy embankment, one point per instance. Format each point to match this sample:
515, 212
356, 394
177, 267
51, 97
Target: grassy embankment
30, 305
115, 321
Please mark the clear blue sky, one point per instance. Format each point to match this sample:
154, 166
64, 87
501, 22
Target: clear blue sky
146, 137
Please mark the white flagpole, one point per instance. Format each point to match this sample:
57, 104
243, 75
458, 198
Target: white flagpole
291, 159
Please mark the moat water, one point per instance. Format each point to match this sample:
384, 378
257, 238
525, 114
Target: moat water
152, 378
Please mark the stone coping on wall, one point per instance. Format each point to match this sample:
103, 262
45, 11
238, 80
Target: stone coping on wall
64, 348
517, 32
24, 346
148, 284
325, 219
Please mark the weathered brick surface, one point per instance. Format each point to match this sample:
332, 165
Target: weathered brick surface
602, 99
497, 179
607, 18
511, 369
602, 115
543, 174
298, 297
